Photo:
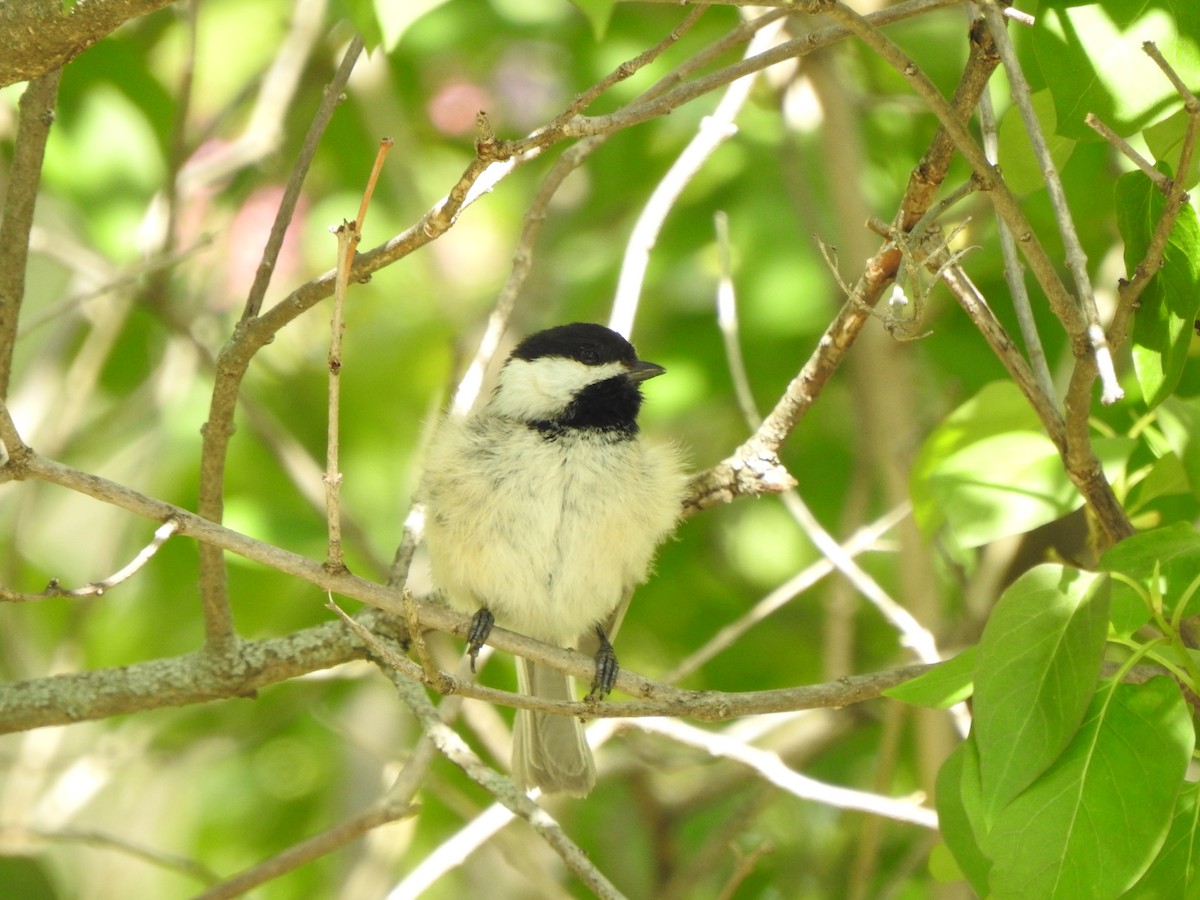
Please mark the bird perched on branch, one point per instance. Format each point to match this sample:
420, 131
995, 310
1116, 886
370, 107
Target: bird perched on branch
543, 512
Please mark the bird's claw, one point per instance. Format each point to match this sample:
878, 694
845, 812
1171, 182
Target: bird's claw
606, 668
477, 634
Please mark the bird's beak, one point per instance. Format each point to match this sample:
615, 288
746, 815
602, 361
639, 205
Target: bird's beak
642, 370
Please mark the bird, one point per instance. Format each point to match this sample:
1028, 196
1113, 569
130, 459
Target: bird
544, 509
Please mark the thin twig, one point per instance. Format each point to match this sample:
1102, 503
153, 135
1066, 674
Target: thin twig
769, 766
291, 192
1014, 269
1126, 149
348, 236
913, 635
456, 750
863, 539
976, 307
306, 851
24, 175
104, 585
727, 322
1076, 259
714, 130
10, 833
232, 363
1151, 50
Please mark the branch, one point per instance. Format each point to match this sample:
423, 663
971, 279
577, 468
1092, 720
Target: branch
98, 588
754, 468
199, 677
306, 851
456, 750
19, 835
768, 765
42, 35
178, 680
232, 364
1087, 345
36, 117
1065, 306
1076, 259
714, 130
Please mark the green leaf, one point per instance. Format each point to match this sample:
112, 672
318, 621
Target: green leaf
958, 808
1165, 139
1092, 59
1175, 550
947, 683
1164, 323
598, 13
989, 471
361, 14
1165, 478
1179, 420
1039, 660
1091, 826
395, 18
1175, 872
1021, 170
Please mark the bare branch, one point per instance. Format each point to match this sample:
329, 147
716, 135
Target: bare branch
11, 833
1126, 150
231, 367
348, 236
456, 750
43, 35
857, 543
769, 766
714, 130
1014, 269
177, 681
1076, 259
37, 115
99, 588
306, 851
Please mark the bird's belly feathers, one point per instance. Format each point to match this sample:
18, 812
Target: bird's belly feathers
547, 533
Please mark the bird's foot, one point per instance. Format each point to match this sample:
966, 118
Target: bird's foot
481, 627
606, 668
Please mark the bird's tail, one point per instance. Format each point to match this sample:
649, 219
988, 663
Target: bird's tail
549, 751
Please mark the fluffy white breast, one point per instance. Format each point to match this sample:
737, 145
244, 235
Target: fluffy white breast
549, 534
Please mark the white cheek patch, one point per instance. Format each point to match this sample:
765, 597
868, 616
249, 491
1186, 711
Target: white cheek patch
543, 388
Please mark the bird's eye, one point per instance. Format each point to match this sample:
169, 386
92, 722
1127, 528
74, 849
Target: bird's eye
589, 357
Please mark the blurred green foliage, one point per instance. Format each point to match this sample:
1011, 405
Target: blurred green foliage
117, 383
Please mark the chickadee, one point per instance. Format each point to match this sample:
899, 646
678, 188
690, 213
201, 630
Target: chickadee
543, 511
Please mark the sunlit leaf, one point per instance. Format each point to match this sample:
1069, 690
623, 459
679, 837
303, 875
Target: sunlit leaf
1175, 872
598, 13
1165, 139
1037, 667
1091, 826
1164, 322
989, 471
958, 810
1091, 56
947, 683
1173, 552
1021, 170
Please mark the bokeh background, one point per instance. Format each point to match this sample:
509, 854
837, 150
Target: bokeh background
157, 199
